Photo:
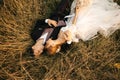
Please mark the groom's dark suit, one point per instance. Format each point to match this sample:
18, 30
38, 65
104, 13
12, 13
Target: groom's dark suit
59, 14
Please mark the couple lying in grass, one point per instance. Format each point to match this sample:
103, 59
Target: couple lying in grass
85, 20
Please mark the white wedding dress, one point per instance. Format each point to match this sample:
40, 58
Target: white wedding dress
101, 16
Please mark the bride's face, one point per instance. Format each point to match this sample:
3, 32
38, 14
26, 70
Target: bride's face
52, 48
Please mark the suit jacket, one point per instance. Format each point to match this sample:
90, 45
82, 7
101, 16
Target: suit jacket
62, 10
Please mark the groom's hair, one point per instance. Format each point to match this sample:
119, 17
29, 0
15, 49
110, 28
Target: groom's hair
1, 2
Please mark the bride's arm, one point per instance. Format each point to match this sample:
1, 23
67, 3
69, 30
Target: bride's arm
77, 9
79, 6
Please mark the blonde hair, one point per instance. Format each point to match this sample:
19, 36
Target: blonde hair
53, 49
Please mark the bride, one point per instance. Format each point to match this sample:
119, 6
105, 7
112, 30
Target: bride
88, 17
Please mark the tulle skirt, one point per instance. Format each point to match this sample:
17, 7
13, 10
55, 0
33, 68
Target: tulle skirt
102, 16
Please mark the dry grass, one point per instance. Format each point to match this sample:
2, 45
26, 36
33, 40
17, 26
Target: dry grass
96, 59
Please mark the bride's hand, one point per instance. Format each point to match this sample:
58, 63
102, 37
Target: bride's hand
77, 9
78, 6
67, 35
49, 43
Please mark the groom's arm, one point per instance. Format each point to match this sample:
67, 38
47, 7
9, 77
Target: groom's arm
40, 22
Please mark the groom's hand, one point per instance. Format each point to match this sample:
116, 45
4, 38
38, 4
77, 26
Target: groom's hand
52, 22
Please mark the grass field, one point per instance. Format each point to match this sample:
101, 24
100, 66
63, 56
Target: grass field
97, 59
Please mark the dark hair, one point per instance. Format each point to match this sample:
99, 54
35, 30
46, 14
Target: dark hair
1, 2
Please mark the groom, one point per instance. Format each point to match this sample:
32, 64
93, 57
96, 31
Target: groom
48, 28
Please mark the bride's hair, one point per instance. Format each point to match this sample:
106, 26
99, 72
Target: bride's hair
53, 49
